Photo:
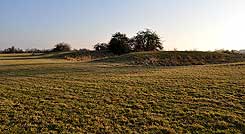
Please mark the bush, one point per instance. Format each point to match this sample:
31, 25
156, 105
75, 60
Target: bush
35, 50
227, 51
62, 47
101, 47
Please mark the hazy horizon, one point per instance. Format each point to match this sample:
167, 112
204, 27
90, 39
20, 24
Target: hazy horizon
182, 24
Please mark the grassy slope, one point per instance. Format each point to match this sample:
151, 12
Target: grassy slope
50, 95
176, 58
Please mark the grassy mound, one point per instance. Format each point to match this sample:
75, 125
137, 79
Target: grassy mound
86, 55
164, 58
176, 58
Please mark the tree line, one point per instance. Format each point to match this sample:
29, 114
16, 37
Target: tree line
145, 40
60, 47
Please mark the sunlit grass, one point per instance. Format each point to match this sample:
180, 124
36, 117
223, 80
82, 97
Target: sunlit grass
50, 95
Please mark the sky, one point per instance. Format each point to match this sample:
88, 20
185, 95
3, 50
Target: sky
181, 24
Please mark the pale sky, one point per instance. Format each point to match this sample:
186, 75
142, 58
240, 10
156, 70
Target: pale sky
183, 24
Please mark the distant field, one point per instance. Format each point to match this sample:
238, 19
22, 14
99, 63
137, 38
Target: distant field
40, 94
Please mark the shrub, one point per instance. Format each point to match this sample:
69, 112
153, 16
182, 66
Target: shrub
62, 47
101, 47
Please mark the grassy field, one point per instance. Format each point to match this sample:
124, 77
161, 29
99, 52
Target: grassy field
39, 95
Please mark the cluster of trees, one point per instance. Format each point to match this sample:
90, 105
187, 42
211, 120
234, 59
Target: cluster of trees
61, 47
120, 44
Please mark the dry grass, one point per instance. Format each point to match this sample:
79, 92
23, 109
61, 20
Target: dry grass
58, 96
